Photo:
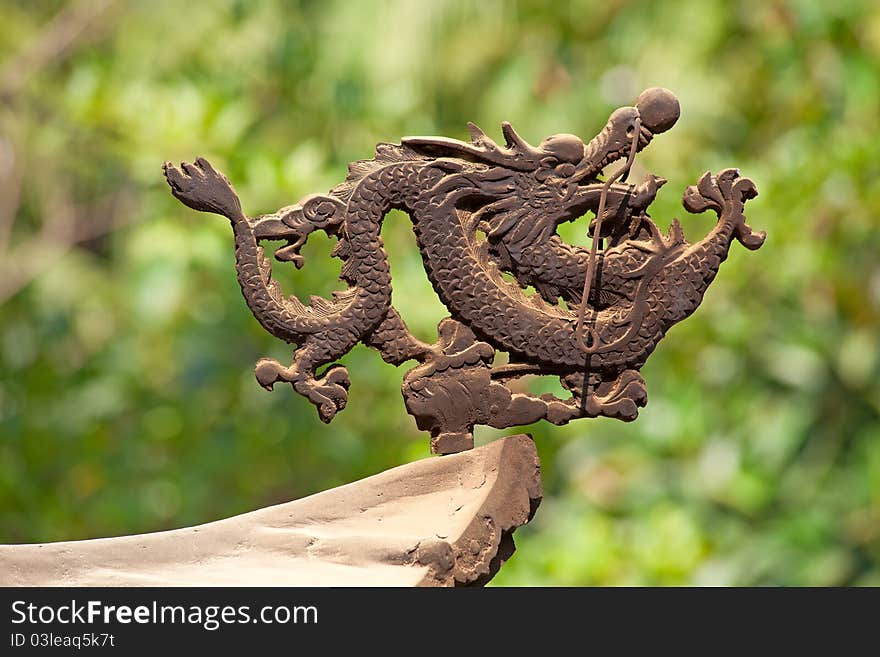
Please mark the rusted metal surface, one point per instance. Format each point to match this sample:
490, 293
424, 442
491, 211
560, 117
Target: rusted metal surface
479, 210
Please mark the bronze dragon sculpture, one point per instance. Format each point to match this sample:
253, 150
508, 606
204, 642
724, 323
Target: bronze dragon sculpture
480, 210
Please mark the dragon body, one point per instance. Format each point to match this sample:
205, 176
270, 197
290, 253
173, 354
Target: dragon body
480, 211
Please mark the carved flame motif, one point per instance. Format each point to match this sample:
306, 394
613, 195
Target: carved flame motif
481, 210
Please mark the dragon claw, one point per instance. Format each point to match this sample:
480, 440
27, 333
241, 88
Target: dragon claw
329, 393
269, 372
337, 376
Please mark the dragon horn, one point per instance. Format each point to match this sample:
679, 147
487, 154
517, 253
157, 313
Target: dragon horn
478, 137
514, 141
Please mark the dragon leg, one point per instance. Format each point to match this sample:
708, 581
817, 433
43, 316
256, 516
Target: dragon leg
329, 393
392, 339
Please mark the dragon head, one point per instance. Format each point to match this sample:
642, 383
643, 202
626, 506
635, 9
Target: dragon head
518, 193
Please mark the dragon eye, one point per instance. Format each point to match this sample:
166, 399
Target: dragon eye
564, 170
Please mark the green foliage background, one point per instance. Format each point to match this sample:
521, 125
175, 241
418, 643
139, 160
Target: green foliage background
127, 399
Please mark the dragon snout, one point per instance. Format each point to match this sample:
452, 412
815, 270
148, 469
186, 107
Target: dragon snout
274, 228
